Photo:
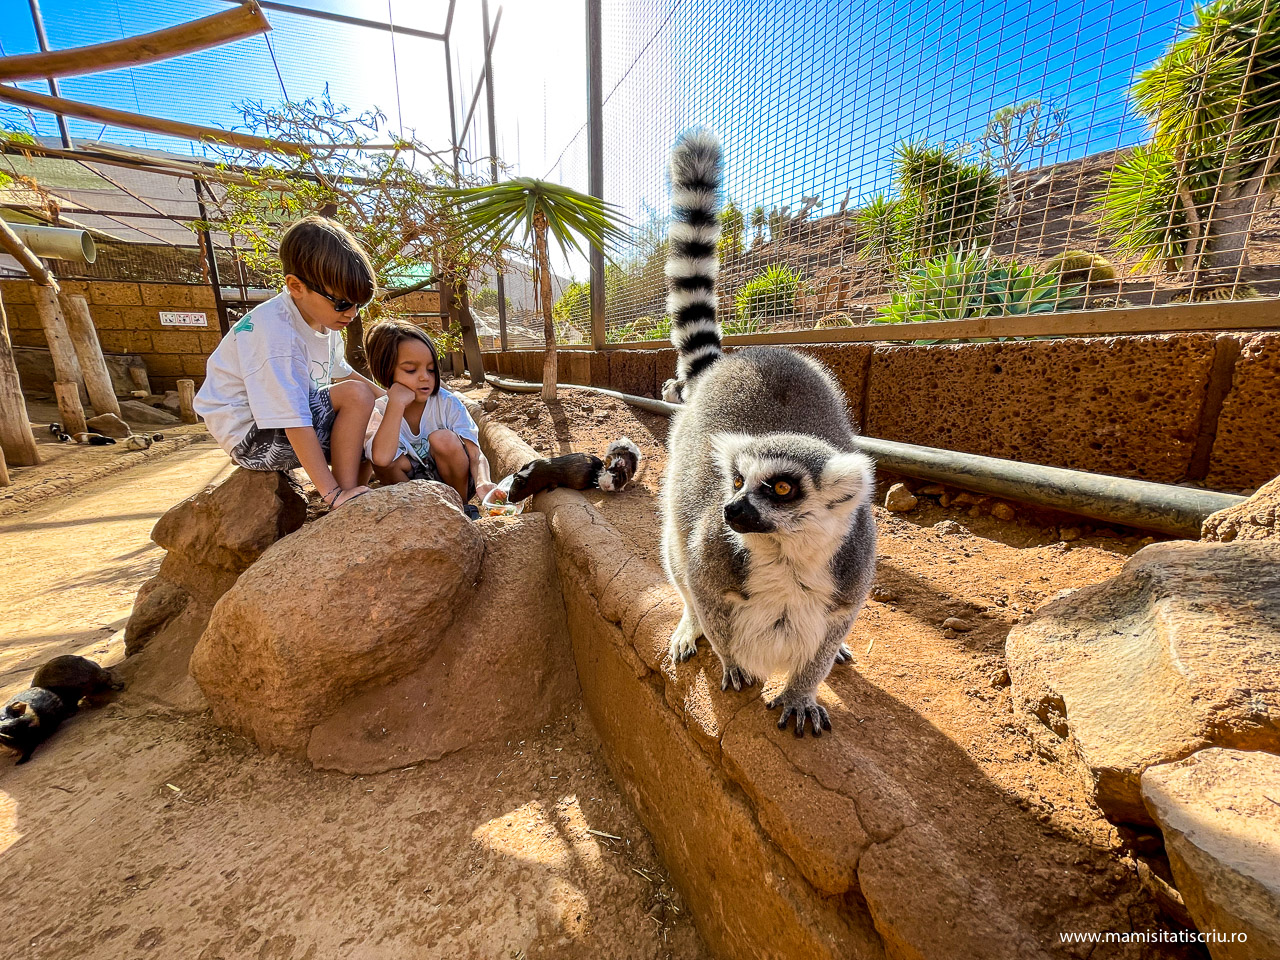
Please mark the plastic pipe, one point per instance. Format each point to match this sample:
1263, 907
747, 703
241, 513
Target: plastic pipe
60, 243
1162, 507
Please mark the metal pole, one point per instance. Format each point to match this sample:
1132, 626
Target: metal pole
53, 84
1178, 511
453, 116
493, 169
595, 161
211, 258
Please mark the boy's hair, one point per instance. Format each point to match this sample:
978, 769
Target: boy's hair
324, 256
382, 349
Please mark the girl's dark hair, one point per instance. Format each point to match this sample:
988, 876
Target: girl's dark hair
382, 348
324, 256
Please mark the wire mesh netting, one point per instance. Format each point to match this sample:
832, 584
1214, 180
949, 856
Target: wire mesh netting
887, 162
891, 161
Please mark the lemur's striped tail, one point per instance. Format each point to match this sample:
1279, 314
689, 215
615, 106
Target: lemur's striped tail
692, 259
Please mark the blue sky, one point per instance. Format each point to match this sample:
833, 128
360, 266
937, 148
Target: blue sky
810, 96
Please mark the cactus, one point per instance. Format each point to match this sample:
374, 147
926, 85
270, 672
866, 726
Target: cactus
1080, 266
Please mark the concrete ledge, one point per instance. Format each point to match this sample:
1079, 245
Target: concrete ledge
782, 848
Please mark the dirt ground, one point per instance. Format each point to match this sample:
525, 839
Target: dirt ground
928, 684
140, 832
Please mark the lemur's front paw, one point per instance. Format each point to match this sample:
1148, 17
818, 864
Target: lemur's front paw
684, 642
844, 654
803, 707
673, 391
737, 677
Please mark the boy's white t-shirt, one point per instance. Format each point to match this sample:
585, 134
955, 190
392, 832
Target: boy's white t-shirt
263, 370
444, 411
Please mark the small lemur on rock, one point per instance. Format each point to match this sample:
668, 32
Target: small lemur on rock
578, 471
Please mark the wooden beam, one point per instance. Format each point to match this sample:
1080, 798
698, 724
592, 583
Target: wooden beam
226, 27
172, 128
70, 409
84, 337
16, 439
66, 365
14, 246
352, 21
186, 131
1257, 314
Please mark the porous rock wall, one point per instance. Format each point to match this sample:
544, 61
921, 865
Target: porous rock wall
1171, 408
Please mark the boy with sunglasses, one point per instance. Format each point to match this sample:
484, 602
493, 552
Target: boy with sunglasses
279, 393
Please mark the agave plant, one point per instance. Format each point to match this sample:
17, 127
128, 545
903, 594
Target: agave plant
494, 213
960, 285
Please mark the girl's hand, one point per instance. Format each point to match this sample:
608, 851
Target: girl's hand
399, 394
482, 489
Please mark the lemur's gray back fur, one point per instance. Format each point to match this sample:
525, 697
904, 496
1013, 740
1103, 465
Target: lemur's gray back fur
785, 404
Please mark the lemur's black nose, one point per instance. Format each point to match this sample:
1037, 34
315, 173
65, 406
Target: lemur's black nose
742, 515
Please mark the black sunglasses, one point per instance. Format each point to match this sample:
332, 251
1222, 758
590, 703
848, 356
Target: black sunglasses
339, 306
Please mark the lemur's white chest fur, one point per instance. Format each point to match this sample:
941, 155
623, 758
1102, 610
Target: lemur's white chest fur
790, 594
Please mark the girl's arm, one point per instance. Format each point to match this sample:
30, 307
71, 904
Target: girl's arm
479, 468
386, 441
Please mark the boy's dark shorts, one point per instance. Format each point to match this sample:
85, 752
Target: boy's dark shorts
270, 449
427, 470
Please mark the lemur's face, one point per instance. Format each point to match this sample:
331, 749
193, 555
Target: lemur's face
787, 483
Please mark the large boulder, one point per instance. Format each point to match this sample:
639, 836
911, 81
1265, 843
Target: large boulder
1178, 652
1258, 518
504, 669
210, 539
1220, 816
358, 599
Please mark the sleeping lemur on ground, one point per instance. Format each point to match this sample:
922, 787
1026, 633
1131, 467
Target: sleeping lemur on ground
767, 525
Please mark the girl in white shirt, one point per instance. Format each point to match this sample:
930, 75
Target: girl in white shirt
420, 431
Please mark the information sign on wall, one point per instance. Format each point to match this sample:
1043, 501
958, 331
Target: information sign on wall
168, 319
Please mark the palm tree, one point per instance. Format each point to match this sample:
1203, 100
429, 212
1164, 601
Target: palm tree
1189, 198
494, 212
757, 223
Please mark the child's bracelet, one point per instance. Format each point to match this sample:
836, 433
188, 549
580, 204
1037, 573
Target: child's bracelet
335, 492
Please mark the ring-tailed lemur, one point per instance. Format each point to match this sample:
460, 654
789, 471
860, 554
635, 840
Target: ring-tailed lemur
767, 531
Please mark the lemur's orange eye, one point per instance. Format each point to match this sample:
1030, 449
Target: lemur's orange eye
782, 488
737, 483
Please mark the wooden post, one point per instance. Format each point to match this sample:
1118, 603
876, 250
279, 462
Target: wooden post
68, 394
16, 439
66, 366
97, 379
138, 375
186, 401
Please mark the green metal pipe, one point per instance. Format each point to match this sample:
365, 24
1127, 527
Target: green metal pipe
1178, 511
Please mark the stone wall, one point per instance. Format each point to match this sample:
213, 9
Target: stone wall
1171, 408
127, 317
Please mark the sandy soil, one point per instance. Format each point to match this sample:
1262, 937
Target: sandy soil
943, 694
67, 467
139, 832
